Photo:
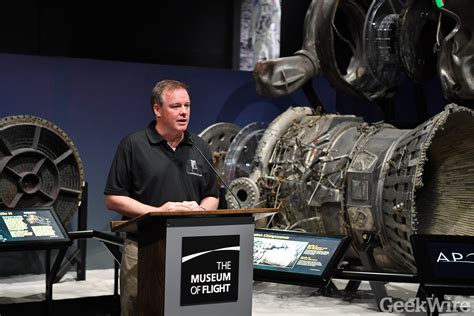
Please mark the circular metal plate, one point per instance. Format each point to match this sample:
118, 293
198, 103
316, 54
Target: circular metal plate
39, 166
219, 136
246, 191
239, 157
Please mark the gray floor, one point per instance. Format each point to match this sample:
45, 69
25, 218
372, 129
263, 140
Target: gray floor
268, 298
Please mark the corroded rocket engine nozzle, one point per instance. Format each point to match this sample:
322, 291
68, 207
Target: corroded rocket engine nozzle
336, 174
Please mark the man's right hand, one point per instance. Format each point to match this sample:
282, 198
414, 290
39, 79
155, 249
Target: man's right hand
132, 208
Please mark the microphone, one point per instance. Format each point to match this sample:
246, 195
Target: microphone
214, 170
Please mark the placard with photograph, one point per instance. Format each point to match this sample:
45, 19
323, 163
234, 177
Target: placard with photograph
35, 228
296, 257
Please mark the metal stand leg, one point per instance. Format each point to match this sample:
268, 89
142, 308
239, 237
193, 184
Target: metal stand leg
352, 286
47, 269
49, 287
51, 273
82, 244
350, 290
368, 261
80, 254
421, 293
329, 289
116, 278
116, 286
440, 298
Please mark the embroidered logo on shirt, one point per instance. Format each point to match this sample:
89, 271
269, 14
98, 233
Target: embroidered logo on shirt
194, 168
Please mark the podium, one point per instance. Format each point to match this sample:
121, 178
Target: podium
194, 262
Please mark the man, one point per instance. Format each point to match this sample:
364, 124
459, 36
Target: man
159, 169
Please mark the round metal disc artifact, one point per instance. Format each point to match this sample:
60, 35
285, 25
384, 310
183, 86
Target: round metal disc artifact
239, 157
39, 166
219, 136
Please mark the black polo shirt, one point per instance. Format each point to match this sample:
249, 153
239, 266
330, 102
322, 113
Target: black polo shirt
146, 169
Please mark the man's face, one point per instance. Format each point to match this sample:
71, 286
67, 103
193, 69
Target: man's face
173, 114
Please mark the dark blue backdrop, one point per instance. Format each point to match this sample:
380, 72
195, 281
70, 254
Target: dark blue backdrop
97, 103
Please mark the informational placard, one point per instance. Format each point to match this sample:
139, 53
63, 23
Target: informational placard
294, 257
209, 269
31, 228
445, 260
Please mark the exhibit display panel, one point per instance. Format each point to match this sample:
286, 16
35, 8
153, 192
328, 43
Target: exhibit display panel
445, 263
31, 229
296, 257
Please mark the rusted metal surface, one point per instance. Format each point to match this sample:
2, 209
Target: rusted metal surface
39, 166
336, 174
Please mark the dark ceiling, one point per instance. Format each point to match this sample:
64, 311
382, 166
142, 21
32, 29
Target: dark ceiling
186, 32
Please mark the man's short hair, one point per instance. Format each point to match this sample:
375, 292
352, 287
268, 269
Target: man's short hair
161, 86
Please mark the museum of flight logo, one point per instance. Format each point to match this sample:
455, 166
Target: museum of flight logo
455, 257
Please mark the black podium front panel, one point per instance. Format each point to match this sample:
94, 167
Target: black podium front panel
209, 266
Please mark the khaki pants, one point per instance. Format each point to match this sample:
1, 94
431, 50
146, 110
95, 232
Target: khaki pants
129, 279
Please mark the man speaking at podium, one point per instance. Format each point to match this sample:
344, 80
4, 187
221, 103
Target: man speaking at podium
160, 168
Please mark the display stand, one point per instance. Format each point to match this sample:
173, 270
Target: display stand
34, 229
368, 261
79, 256
194, 262
291, 257
444, 266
